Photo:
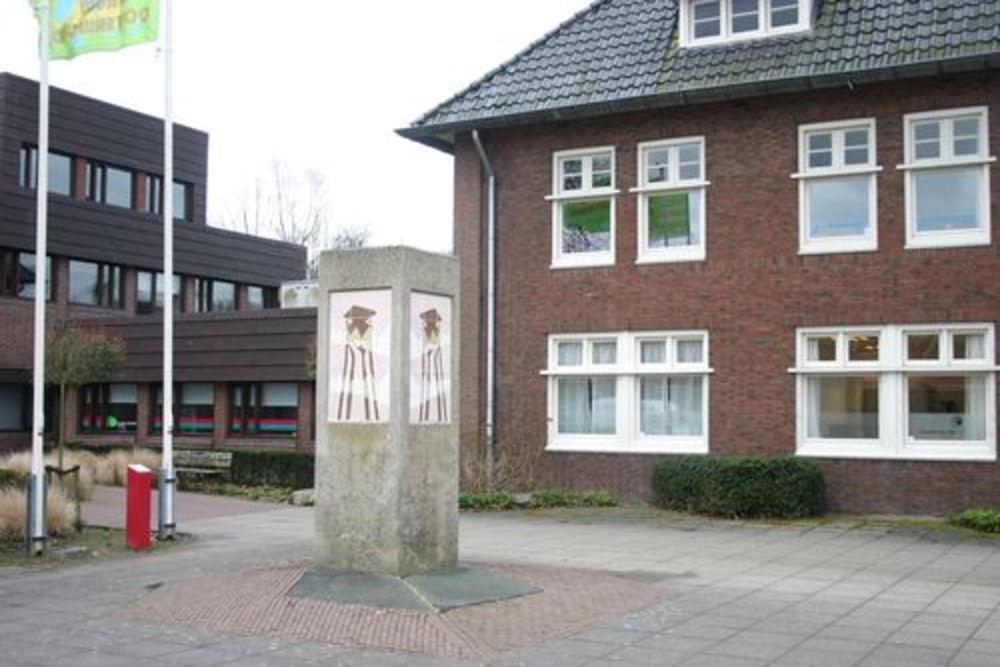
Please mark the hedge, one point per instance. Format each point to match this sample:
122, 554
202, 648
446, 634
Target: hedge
981, 520
295, 470
10, 479
741, 487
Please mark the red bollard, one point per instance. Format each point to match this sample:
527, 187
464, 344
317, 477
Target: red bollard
138, 507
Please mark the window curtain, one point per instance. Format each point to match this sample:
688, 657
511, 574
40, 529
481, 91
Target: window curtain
587, 405
671, 406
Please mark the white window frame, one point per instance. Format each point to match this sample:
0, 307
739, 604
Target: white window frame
628, 369
912, 166
560, 196
893, 370
674, 183
726, 35
867, 242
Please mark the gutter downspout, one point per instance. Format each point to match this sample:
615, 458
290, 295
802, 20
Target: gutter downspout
491, 249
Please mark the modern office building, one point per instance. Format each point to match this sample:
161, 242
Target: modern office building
737, 227
241, 364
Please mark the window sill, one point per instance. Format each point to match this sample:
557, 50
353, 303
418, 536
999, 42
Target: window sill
678, 256
583, 262
938, 452
842, 248
685, 446
948, 239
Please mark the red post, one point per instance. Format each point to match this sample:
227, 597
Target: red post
137, 508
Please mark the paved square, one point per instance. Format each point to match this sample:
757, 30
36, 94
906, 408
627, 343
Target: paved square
721, 593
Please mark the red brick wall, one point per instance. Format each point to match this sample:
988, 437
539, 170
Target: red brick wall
751, 293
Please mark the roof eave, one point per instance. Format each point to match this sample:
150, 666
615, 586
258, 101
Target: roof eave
441, 136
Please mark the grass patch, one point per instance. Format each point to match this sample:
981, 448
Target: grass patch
542, 499
262, 493
90, 545
488, 500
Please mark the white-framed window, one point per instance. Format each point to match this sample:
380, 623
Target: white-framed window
705, 22
947, 166
644, 392
583, 207
837, 192
905, 392
671, 205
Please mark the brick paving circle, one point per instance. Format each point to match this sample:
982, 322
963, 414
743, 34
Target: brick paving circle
256, 603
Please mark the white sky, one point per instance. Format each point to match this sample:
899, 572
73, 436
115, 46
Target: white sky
317, 84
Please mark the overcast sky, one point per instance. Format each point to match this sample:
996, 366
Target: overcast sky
317, 84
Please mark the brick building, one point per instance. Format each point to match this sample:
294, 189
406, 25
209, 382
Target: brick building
737, 227
240, 363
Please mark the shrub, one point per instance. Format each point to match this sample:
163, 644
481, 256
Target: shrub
555, 498
11, 479
771, 487
981, 520
495, 500
294, 470
13, 506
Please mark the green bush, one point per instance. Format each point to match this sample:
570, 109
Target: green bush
735, 487
981, 520
294, 470
555, 498
10, 479
495, 500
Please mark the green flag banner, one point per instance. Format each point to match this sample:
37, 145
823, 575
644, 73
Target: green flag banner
84, 26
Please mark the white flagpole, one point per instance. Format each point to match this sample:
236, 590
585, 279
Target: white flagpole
167, 473
37, 502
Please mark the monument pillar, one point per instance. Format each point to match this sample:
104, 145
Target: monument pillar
387, 406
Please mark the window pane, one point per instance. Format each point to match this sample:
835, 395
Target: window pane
279, 411
153, 195
145, 293
587, 405
223, 296
707, 19
842, 408
689, 156
948, 199
670, 406
947, 408
674, 219
927, 140
121, 408
745, 15
119, 187
821, 348
923, 347
197, 411
820, 148
856, 147
27, 278
968, 346
83, 283
182, 201
255, 297
966, 133
27, 167
12, 412
784, 13
838, 206
586, 226
690, 352
657, 165
60, 174
653, 351
604, 352
862, 348
570, 354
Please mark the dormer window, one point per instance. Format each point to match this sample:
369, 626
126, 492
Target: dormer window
719, 21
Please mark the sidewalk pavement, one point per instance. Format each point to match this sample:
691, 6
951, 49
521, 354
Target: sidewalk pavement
732, 594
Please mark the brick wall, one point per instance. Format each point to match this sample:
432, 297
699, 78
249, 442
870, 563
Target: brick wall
751, 293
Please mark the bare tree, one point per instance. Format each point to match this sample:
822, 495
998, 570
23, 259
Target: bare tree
292, 206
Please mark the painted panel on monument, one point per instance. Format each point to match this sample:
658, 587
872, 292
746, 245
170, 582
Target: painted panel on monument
360, 335
430, 359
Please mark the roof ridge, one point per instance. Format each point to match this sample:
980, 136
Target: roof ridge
511, 61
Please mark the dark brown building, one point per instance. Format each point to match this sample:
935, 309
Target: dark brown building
738, 227
240, 362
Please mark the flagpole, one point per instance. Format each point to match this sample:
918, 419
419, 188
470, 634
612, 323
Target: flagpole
36, 502
167, 480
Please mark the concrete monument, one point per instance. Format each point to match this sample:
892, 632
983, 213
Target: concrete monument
386, 441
